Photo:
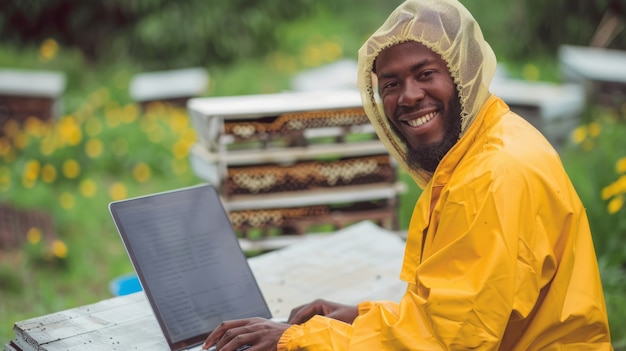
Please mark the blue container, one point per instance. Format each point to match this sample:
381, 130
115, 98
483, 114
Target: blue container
125, 284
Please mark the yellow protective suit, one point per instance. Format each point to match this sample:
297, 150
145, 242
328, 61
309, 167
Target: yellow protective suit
499, 253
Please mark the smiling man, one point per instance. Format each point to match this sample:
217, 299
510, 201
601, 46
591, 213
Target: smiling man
499, 253
420, 98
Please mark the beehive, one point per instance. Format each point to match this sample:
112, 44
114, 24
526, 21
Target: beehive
292, 162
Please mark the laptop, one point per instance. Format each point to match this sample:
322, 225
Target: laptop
189, 262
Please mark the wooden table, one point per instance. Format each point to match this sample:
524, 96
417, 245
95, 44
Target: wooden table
360, 262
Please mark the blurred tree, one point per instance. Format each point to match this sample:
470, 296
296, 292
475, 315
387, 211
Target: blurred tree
88, 25
163, 34
159, 34
520, 29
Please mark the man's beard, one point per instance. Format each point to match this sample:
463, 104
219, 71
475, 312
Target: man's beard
427, 157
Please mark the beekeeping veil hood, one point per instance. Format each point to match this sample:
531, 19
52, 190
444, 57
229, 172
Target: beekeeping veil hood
448, 29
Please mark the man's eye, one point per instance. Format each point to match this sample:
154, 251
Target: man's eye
390, 85
427, 74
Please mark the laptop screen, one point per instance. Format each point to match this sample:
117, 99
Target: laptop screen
189, 262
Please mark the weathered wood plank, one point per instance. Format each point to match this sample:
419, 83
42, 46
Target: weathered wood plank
288, 155
83, 320
351, 193
248, 106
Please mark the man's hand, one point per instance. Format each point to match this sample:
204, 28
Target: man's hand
344, 313
258, 333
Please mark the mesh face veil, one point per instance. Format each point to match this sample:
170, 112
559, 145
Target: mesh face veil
448, 29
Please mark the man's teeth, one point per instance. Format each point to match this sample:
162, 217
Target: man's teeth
421, 120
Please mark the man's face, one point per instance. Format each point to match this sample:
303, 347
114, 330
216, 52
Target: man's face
420, 100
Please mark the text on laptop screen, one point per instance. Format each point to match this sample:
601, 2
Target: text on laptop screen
187, 257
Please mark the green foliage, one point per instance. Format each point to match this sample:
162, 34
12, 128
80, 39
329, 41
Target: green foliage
164, 34
614, 285
596, 163
10, 282
539, 27
72, 169
160, 34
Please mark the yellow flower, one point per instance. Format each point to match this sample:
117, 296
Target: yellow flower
620, 166
48, 173
34, 126
616, 204
181, 149
32, 169
282, 62
189, 135
5, 179
594, 129
11, 128
9, 157
47, 146
530, 72
71, 169
66, 200
59, 249
113, 116
28, 183
180, 167
88, 188
579, 134
20, 141
130, 113
69, 130
620, 184
5, 146
179, 122
608, 191
141, 172
117, 191
148, 122
48, 49
100, 97
332, 51
33, 236
93, 148
5, 184
156, 134
93, 127
312, 56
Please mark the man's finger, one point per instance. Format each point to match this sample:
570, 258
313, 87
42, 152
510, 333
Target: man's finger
218, 332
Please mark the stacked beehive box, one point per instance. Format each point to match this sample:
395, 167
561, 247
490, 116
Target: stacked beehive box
293, 163
30, 93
